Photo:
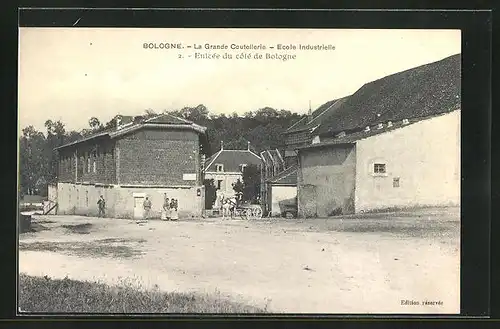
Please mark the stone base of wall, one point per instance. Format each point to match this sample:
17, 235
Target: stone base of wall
78, 199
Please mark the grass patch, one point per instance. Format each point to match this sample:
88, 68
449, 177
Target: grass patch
78, 228
43, 294
119, 240
36, 227
84, 249
410, 228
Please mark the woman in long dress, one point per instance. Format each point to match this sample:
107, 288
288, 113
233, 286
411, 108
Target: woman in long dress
165, 214
173, 210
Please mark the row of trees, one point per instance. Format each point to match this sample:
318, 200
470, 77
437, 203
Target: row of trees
38, 160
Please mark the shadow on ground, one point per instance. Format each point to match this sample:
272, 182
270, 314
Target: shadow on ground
78, 228
104, 248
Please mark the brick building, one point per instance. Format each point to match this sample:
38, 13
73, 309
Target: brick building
136, 159
393, 143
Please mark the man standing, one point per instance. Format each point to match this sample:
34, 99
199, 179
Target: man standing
102, 206
147, 208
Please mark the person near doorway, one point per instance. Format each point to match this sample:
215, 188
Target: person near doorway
165, 214
174, 215
147, 208
102, 206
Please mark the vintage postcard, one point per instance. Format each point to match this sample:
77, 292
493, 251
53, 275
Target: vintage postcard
239, 171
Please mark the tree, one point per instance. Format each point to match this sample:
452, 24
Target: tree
55, 137
251, 182
33, 163
210, 193
95, 124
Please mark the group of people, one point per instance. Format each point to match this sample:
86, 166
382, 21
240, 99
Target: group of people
169, 211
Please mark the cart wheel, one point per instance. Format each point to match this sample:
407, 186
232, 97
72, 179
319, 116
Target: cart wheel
257, 213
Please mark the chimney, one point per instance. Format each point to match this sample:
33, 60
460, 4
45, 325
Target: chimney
405, 121
309, 114
221, 145
380, 126
248, 146
367, 129
118, 122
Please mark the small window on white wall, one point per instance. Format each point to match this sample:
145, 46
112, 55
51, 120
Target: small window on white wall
379, 168
395, 182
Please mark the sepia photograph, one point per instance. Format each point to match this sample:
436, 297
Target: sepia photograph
230, 171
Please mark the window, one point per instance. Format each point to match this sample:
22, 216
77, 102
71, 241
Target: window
219, 167
243, 166
379, 168
88, 163
395, 182
219, 184
94, 165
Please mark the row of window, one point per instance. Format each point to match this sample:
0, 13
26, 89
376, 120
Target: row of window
220, 167
90, 161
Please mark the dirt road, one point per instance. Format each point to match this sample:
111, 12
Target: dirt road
364, 264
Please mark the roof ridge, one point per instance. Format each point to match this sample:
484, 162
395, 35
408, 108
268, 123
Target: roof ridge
216, 155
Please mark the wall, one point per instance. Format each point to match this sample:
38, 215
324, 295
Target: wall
326, 181
105, 163
424, 155
78, 199
189, 203
159, 157
227, 178
73, 163
279, 195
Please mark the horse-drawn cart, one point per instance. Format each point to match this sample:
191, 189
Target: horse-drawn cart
249, 211
245, 210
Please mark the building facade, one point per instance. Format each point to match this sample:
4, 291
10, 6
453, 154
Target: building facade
415, 164
393, 144
226, 167
136, 160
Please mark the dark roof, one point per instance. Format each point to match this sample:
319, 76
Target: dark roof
319, 115
231, 159
286, 177
163, 119
423, 91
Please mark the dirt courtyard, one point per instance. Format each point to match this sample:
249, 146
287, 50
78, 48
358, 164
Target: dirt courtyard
372, 263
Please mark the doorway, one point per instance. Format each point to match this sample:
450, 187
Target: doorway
138, 205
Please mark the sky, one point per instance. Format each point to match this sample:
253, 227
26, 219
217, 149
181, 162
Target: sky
72, 74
